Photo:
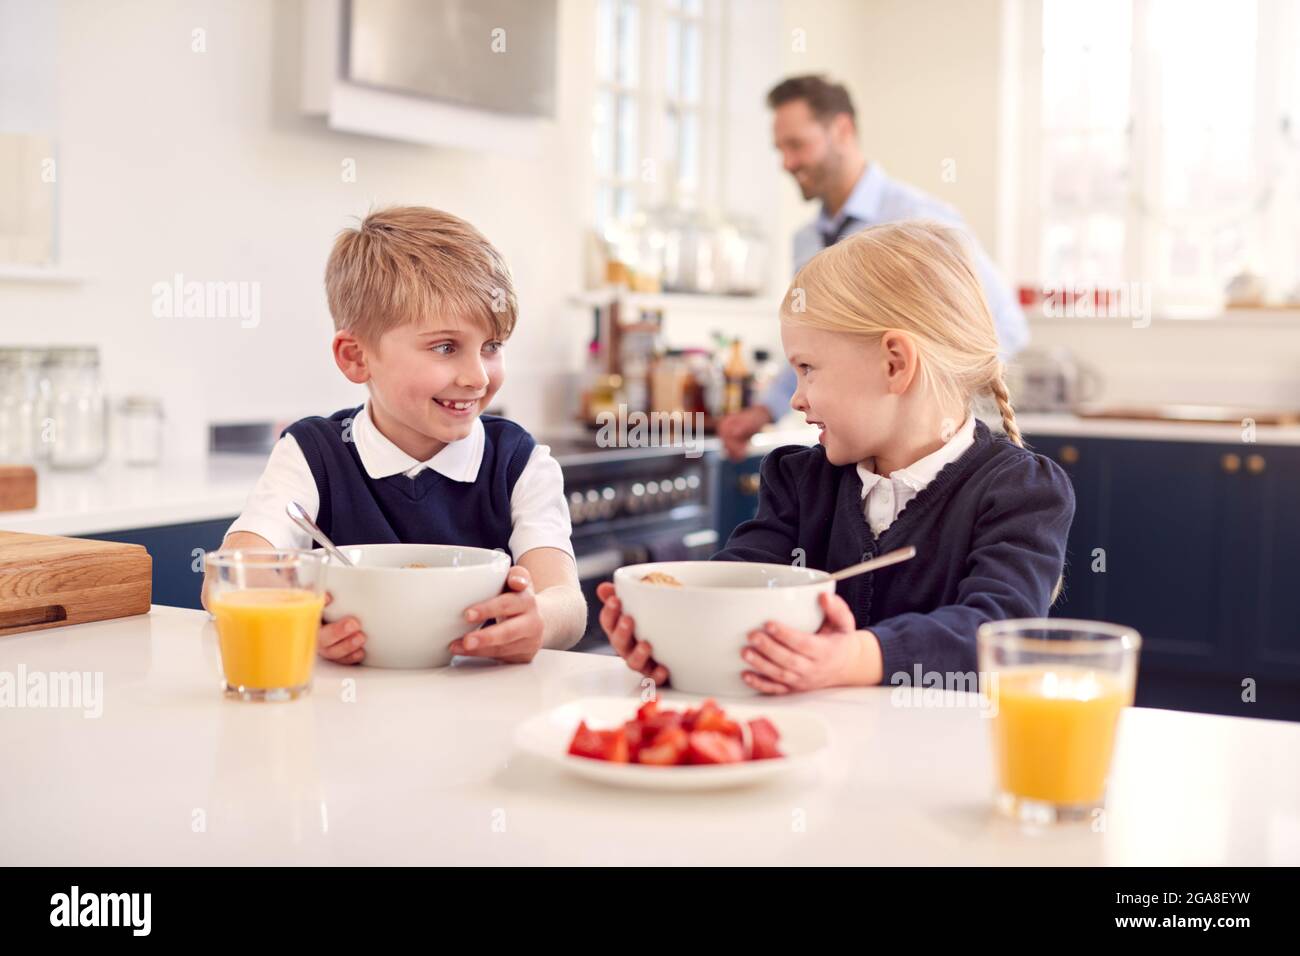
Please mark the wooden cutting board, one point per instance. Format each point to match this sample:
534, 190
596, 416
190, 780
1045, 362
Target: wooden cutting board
49, 582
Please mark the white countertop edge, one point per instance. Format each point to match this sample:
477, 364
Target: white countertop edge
122, 519
1065, 425
1071, 426
100, 500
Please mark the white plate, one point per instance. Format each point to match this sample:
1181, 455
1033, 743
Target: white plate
804, 736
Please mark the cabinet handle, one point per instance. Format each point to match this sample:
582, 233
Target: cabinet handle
1255, 464
749, 484
1231, 463
1068, 455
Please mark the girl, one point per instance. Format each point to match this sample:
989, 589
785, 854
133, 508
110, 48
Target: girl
892, 341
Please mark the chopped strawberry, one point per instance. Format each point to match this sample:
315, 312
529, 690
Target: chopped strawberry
765, 737
635, 734
699, 735
709, 746
611, 745
669, 747
587, 743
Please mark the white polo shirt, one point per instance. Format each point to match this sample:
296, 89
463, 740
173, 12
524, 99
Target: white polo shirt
539, 512
884, 498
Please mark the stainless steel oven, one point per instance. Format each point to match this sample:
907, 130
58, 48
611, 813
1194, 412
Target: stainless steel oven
631, 505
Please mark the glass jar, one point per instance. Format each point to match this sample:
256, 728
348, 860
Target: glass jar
77, 416
141, 421
20, 374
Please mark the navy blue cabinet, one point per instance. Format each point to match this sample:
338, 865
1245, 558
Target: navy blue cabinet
1193, 544
1082, 583
1264, 505
738, 495
177, 551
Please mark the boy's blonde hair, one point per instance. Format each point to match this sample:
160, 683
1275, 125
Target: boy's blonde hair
915, 277
410, 263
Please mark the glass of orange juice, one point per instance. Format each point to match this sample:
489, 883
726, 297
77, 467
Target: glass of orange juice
1056, 689
267, 605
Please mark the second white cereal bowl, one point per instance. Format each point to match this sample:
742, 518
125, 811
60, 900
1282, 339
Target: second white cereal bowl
410, 614
698, 630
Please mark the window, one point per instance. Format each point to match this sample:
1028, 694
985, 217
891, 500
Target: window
1162, 146
656, 121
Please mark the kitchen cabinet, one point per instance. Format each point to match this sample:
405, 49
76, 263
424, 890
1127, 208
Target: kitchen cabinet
737, 494
1197, 539
177, 551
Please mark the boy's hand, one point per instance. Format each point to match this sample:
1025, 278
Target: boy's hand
785, 660
516, 637
618, 627
343, 641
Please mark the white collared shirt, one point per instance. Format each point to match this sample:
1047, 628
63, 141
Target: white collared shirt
884, 498
539, 512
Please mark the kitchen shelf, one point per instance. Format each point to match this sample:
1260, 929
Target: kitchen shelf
680, 301
1280, 316
46, 274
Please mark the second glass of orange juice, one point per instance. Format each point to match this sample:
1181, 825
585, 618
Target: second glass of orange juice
267, 606
1056, 690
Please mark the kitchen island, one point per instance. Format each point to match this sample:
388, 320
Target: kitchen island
404, 767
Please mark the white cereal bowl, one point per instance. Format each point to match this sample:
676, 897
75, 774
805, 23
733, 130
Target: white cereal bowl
699, 629
410, 615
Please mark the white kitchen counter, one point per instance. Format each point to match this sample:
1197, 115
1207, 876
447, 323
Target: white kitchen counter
1073, 426
421, 769
114, 496
790, 431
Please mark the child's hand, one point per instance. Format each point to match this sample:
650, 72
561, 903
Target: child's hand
618, 628
784, 659
516, 637
343, 641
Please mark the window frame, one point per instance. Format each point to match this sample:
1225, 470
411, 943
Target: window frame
1276, 63
657, 184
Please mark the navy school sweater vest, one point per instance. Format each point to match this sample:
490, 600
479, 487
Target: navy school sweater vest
427, 509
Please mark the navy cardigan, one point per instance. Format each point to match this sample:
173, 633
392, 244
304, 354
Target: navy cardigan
989, 531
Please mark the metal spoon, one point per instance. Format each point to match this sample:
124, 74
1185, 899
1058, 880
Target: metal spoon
884, 561
298, 514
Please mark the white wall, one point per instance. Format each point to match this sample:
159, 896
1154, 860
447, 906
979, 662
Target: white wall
173, 161
925, 77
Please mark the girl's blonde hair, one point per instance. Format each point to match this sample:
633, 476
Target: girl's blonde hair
915, 277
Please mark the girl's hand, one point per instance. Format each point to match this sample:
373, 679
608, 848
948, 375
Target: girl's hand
516, 637
618, 627
343, 641
785, 660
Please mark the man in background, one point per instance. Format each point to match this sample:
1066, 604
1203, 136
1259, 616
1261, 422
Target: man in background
815, 129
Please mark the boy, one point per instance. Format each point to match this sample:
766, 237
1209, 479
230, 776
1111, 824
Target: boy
422, 306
